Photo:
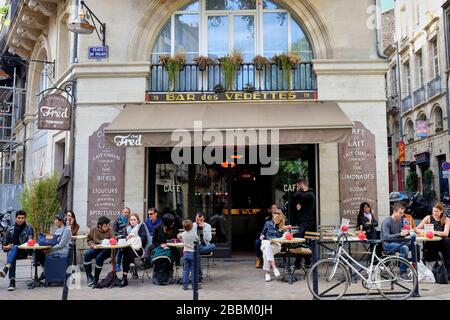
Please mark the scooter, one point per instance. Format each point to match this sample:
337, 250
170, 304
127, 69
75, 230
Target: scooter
6, 221
417, 207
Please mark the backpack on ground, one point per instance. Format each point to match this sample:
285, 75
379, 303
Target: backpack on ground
162, 271
105, 282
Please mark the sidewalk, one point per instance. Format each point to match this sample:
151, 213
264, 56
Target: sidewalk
235, 279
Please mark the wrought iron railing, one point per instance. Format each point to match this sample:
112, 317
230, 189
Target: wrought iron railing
192, 79
434, 87
419, 96
406, 104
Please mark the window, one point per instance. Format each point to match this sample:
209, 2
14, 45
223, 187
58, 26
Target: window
409, 130
438, 120
417, 12
435, 55
219, 27
407, 77
419, 61
393, 81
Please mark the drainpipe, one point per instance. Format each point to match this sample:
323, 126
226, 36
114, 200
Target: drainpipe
74, 15
447, 78
379, 28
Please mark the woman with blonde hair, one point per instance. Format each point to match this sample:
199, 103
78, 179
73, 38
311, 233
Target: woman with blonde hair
272, 229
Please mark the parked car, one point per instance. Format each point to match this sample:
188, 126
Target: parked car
416, 204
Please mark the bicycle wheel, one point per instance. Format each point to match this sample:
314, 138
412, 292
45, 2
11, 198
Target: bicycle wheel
395, 278
332, 279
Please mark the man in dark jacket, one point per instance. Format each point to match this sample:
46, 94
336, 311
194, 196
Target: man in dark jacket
16, 235
305, 205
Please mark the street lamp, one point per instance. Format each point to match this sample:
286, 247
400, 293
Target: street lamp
81, 25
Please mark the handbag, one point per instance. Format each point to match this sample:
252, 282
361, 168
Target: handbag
42, 241
135, 243
425, 274
439, 271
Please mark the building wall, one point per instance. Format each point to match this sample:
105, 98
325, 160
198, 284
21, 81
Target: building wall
418, 24
349, 72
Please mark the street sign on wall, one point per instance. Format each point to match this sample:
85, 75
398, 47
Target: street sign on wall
99, 52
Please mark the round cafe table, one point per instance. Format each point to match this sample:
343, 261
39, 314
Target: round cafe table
289, 269
113, 255
35, 283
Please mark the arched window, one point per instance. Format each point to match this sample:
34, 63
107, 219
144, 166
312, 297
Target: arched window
438, 120
218, 27
409, 129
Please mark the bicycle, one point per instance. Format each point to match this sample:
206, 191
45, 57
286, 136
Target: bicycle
394, 277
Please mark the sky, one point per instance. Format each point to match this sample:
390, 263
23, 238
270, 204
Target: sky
387, 4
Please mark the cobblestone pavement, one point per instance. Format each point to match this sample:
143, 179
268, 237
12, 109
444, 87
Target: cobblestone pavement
235, 279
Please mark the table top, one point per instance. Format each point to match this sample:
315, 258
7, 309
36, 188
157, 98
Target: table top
35, 247
334, 239
425, 239
175, 245
294, 240
80, 236
117, 246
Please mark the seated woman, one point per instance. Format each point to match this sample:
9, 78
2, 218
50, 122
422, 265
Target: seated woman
167, 230
134, 229
366, 221
441, 228
72, 222
272, 229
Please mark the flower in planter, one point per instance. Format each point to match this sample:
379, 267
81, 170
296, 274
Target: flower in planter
203, 62
260, 62
230, 64
173, 65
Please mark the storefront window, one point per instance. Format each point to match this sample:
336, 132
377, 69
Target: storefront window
231, 25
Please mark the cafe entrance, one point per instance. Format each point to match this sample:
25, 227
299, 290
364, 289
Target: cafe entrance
235, 197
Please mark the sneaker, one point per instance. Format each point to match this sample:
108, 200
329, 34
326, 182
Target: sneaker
268, 277
276, 272
12, 285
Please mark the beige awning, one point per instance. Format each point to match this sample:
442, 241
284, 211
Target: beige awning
162, 125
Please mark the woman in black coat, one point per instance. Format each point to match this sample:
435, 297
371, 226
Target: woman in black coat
367, 220
134, 229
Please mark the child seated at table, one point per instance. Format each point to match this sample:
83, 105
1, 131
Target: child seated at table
189, 236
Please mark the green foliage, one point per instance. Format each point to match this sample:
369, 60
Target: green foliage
230, 66
428, 193
40, 202
173, 66
3, 13
286, 62
411, 182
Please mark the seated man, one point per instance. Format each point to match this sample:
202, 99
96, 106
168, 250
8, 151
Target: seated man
94, 238
15, 236
392, 233
61, 249
203, 230
152, 220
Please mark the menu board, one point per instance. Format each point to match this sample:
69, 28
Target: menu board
357, 172
106, 182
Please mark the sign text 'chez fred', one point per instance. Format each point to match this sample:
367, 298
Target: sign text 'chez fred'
106, 181
357, 172
231, 96
54, 113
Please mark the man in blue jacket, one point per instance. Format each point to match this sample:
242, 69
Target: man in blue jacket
61, 249
152, 220
16, 235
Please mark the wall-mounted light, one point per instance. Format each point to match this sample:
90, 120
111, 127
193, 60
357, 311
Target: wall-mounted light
81, 25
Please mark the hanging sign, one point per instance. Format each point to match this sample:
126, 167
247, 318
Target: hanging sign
54, 113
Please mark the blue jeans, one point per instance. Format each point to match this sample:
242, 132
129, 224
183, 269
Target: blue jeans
400, 247
11, 258
100, 256
188, 267
119, 257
